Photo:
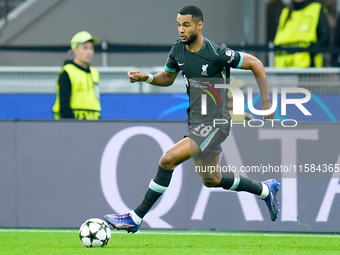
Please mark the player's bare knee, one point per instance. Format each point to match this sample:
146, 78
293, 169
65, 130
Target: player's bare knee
211, 182
167, 160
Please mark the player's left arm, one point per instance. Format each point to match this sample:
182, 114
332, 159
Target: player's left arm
255, 65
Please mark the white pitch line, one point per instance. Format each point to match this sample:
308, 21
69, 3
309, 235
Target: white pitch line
238, 234
177, 232
38, 230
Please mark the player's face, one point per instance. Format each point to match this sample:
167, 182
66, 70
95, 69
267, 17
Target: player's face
84, 52
188, 28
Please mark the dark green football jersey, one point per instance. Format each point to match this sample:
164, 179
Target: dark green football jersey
201, 71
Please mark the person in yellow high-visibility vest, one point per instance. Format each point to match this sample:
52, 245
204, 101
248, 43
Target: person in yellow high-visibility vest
77, 84
303, 24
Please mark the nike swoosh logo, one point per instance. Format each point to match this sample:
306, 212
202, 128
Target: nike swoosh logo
181, 64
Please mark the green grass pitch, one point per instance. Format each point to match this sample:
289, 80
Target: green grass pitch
59, 241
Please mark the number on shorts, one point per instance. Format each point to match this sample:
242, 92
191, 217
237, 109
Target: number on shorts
203, 130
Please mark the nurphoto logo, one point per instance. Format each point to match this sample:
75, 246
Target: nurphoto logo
238, 105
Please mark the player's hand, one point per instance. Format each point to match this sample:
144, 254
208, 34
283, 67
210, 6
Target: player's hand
135, 76
266, 105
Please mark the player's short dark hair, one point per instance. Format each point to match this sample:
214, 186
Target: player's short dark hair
192, 10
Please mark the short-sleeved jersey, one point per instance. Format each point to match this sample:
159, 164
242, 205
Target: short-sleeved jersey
201, 71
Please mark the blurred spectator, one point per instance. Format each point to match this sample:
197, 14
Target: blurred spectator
336, 43
303, 24
77, 84
274, 9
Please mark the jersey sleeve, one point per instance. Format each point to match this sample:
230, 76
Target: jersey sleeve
65, 96
171, 64
232, 58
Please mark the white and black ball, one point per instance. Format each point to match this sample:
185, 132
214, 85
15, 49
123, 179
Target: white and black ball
94, 233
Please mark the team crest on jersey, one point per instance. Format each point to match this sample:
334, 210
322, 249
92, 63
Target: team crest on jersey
204, 70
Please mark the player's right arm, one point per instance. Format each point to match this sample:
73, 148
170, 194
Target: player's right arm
162, 79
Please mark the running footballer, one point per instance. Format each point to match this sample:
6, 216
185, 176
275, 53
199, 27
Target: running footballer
203, 64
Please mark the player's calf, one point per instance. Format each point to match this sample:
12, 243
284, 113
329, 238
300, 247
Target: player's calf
211, 182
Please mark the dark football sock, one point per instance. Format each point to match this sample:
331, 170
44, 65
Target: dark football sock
240, 183
227, 180
157, 187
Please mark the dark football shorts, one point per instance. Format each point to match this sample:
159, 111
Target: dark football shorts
208, 138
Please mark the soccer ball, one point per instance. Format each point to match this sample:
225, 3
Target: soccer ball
94, 233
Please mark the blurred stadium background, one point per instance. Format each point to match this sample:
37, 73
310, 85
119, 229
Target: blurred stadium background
70, 171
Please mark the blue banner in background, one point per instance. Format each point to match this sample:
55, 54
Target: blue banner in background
144, 106
323, 107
